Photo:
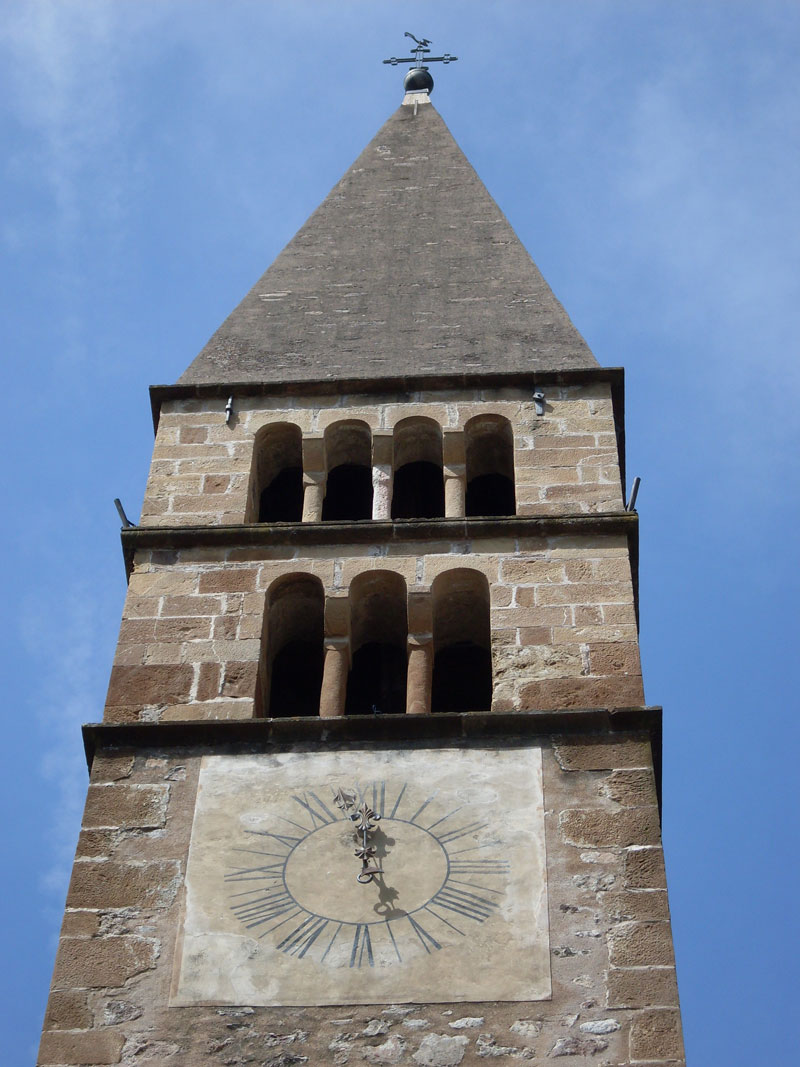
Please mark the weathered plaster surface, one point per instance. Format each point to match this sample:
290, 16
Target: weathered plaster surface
274, 913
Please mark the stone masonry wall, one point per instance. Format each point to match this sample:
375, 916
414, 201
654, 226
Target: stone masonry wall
562, 619
614, 999
565, 460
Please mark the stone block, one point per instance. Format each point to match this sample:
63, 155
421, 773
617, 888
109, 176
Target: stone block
137, 631
564, 440
644, 869
638, 904
584, 593
94, 963
162, 653
211, 709
631, 788
208, 681
93, 1047
126, 806
591, 634
216, 483
642, 987
94, 844
225, 627
162, 583
80, 924
531, 571
192, 435
547, 662
590, 755
620, 614
595, 828
149, 684
587, 615
501, 596
183, 628
141, 607
191, 605
250, 627
563, 475
229, 580
112, 884
579, 692
615, 657
67, 1009
656, 1035
215, 651
239, 679
197, 504
535, 635
109, 767
640, 944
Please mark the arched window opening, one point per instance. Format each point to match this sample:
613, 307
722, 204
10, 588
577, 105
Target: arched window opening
348, 489
462, 664
418, 490
277, 481
490, 466
294, 652
282, 499
379, 629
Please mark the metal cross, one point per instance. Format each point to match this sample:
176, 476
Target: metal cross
421, 53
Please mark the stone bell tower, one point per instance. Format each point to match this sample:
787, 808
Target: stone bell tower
375, 781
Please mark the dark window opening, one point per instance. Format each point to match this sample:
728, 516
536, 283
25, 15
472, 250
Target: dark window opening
490, 494
348, 493
377, 680
296, 679
282, 500
462, 678
418, 491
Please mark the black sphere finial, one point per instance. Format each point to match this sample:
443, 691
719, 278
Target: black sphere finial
418, 80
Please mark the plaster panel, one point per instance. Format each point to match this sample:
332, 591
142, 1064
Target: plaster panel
274, 914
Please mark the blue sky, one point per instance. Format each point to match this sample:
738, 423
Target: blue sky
158, 155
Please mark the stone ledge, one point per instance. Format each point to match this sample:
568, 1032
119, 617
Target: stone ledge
397, 385
371, 531
261, 734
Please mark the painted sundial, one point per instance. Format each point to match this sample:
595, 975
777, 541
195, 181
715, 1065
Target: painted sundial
334, 877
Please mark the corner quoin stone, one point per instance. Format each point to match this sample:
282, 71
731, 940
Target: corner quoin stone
110, 884
90, 1048
94, 963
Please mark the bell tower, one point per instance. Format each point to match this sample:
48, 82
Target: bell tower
375, 780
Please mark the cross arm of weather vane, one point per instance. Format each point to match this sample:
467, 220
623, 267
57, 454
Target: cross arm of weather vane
421, 53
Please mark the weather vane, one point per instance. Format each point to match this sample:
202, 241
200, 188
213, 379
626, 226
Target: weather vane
419, 78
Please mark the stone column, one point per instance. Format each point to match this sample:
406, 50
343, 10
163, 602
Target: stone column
454, 492
455, 474
420, 653
313, 495
314, 477
334, 677
420, 674
382, 476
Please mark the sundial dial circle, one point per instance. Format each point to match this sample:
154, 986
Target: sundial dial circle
320, 872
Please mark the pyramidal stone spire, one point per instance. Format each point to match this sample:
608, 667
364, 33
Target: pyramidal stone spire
408, 267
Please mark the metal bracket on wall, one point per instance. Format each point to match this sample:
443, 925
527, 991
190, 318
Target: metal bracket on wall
631, 505
538, 400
